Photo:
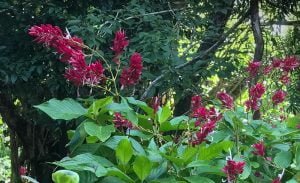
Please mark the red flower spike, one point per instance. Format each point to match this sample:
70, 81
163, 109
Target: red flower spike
290, 63
226, 99
155, 103
46, 34
22, 170
196, 102
232, 169
259, 149
278, 97
131, 76
253, 68
119, 44
201, 113
121, 122
277, 63
252, 104
257, 91
277, 180
268, 69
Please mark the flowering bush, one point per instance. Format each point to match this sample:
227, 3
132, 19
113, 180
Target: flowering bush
122, 139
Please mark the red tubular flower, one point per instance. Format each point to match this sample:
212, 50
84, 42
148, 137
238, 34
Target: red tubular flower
253, 68
46, 34
277, 63
259, 149
277, 180
278, 97
268, 69
226, 99
252, 104
201, 113
155, 103
285, 79
119, 44
257, 91
131, 76
290, 63
232, 169
22, 170
121, 122
94, 73
196, 102
204, 131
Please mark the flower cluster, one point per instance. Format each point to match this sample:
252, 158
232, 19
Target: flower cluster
255, 93
285, 66
119, 44
259, 149
120, 122
278, 97
131, 75
253, 68
70, 50
226, 99
206, 119
232, 169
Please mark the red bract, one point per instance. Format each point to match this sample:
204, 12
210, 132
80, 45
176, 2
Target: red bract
196, 102
121, 122
22, 170
257, 90
46, 34
201, 113
268, 69
278, 97
277, 63
277, 180
232, 169
155, 104
285, 79
253, 68
259, 149
205, 129
119, 44
252, 104
131, 76
226, 99
94, 73
290, 63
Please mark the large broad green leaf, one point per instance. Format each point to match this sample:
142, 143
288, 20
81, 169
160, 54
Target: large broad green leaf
164, 113
205, 167
296, 161
86, 162
140, 104
177, 123
118, 173
98, 106
101, 132
66, 109
78, 138
189, 154
214, 150
197, 179
142, 167
283, 159
114, 141
124, 151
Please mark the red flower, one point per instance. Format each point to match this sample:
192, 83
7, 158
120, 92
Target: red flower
226, 99
257, 91
290, 63
22, 170
94, 73
278, 97
119, 44
285, 79
253, 68
155, 103
201, 113
131, 76
259, 149
232, 169
196, 102
121, 122
205, 129
277, 63
268, 69
277, 180
252, 104
46, 34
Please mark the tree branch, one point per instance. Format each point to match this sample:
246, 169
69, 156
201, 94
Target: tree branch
282, 22
198, 59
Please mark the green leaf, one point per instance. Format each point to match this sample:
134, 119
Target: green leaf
283, 159
164, 114
204, 167
142, 167
78, 138
292, 122
177, 123
214, 150
189, 153
296, 161
118, 173
140, 104
197, 179
88, 162
124, 151
66, 109
101, 132
97, 107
